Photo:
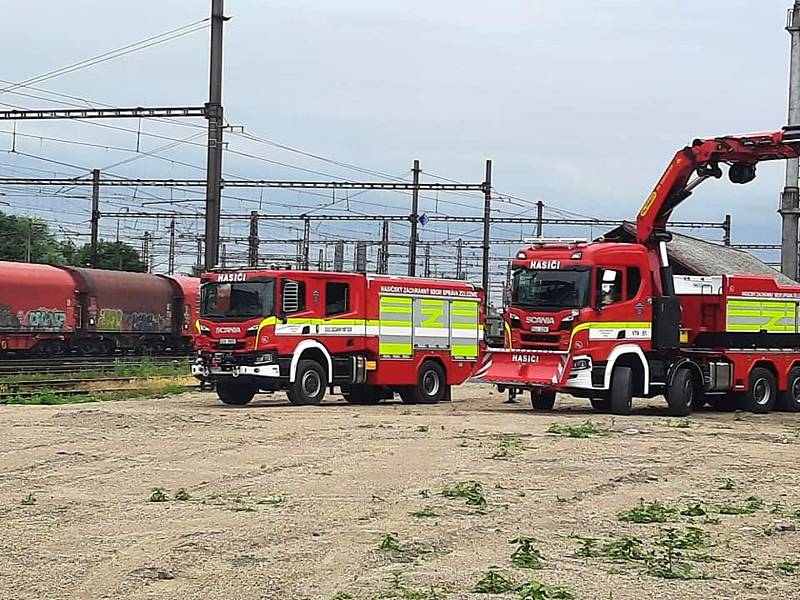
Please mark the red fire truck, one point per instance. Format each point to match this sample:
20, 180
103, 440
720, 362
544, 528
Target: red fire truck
305, 331
609, 321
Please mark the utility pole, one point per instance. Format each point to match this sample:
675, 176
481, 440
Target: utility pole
460, 259
214, 114
199, 255
360, 258
383, 252
223, 257
539, 218
487, 215
338, 256
726, 228
790, 198
171, 262
306, 241
95, 218
414, 218
321, 262
427, 260
252, 240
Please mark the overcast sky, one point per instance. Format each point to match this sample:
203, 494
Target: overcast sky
580, 104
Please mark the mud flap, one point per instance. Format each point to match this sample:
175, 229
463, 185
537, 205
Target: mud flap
523, 368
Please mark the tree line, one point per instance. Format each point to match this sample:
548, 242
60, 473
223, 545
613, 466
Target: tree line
24, 239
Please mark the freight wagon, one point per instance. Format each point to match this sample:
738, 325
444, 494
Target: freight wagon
50, 311
304, 332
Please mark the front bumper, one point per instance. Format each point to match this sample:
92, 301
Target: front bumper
202, 371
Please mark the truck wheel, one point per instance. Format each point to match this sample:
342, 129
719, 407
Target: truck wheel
600, 404
763, 391
309, 383
542, 400
790, 399
362, 394
431, 385
235, 393
681, 395
621, 397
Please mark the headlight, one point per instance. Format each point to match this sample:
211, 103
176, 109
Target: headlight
252, 330
204, 329
581, 364
263, 359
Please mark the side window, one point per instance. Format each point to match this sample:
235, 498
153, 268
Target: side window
633, 283
337, 298
609, 283
294, 296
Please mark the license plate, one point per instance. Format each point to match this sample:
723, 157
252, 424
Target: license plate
540, 329
227, 341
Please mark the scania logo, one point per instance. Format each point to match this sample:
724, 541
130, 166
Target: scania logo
228, 277
540, 320
229, 330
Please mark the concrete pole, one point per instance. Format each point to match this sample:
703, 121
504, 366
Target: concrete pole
338, 256
252, 241
414, 218
487, 217
306, 241
95, 219
539, 218
790, 201
171, 258
215, 142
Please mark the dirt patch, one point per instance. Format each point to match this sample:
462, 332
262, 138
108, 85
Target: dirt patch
394, 501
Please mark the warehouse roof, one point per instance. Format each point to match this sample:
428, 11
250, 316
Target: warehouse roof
693, 256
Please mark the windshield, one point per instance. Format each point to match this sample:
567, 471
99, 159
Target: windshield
551, 290
238, 300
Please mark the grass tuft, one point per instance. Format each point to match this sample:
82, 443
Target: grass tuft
648, 512
584, 430
471, 491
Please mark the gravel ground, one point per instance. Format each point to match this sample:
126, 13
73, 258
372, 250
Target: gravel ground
296, 502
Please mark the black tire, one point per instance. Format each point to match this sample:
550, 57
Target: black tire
542, 400
362, 394
762, 392
681, 394
600, 404
431, 385
235, 393
309, 384
621, 396
789, 400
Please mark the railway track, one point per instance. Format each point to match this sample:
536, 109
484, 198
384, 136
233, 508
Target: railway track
78, 364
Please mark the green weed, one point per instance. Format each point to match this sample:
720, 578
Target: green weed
471, 491
751, 505
159, 495
623, 549
727, 486
669, 559
424, 513
389, 542
275, 500
648, 512
422, 428
526, 556
584, 430
681, 424
694, 510
493, 581
182, 495
788, 567
426, 493
342, 596
29, 500
536, 590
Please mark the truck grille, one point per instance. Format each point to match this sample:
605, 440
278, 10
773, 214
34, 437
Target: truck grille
540, 338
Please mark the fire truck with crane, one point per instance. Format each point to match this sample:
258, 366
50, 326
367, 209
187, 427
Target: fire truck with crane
609, 321
306, 331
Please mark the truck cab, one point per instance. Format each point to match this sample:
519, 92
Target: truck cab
575, 310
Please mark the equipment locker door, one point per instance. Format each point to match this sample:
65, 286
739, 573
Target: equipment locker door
431, 324
465, 329
396, 327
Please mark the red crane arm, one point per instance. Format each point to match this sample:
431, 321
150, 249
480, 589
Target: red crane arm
740, 152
